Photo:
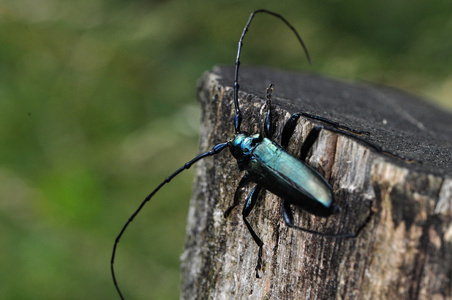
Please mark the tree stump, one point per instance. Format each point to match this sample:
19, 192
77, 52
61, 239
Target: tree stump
404, 250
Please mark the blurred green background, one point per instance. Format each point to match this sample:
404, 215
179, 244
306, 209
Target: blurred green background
98, 105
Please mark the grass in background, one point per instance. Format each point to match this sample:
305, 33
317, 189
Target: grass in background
98, 105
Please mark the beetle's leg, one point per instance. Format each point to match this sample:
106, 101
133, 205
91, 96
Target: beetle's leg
251, 200
268, 127
309, 141
244, 181
288, 218
334, 124
289, 129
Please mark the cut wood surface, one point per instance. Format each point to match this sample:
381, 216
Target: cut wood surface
403, 252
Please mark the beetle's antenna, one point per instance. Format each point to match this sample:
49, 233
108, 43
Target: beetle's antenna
216, 149
238, 113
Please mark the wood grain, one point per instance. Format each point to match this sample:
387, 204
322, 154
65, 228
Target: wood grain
403, 252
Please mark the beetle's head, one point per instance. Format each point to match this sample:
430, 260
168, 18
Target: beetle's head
242, 146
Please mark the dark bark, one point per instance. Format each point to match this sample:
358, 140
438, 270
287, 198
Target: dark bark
403, 252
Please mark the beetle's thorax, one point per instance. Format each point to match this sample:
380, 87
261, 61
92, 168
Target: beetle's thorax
242, 147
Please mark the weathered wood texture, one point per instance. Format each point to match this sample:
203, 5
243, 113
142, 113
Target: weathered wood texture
404, 251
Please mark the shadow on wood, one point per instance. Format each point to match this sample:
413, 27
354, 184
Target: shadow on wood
404, 252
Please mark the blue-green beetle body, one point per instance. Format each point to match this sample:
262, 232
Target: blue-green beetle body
268, 164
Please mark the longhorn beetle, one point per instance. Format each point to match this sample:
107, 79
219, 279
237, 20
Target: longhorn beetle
268, 165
